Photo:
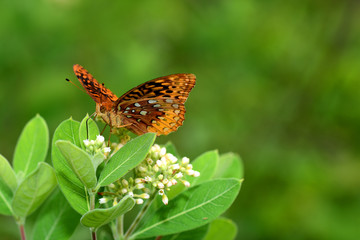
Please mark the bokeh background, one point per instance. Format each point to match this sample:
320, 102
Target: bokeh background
278, 82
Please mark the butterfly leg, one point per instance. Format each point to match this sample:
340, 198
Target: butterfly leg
103, 129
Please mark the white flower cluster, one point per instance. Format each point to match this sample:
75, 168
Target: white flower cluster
95, 146
163, 170
156, 174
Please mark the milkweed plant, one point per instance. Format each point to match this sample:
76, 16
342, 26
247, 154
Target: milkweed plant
131, 189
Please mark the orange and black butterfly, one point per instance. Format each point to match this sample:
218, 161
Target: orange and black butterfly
155, 106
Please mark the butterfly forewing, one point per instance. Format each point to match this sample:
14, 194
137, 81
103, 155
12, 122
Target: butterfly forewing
157, 105
98, 92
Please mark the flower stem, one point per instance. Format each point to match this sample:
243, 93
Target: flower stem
93, 235
92, 206
138, 218
22, 232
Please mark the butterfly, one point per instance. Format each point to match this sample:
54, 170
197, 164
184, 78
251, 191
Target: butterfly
155, 106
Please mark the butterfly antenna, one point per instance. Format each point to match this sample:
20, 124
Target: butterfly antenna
75, 85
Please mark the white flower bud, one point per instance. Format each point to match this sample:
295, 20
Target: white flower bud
86, 142
171, 157
178, 175
139, 201
131, 194
138, 180
169, 184
165, 181
100, 139
196, 174
173, 181
162, 151
175, 166
190, 172
161, 177
144, 196
186, 183
185, 160
142, 169
165, 199
107, 149
156, 168
103, 200
125, 183
189, 166
160, 185
159, 163
161, 192
140, 186
148, 179
111, 185
124, 190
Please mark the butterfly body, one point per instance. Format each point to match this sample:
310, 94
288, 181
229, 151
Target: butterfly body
154, 106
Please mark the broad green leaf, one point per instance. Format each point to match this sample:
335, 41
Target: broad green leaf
6, 195
193, 208
99, 217
126, 158
69, 183
170, 148
79, 161
230, 166
195, 234
7, 174
34, 190
206, 164
90, 132
221, 228
97, 159
56, 219
32, 146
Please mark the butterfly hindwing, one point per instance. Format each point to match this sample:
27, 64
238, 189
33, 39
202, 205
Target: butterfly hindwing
157, 105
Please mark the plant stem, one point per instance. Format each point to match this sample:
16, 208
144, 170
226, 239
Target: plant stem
93, 235
22, 232
92, 206
138, 218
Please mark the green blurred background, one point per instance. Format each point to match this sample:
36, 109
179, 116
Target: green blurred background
277, 82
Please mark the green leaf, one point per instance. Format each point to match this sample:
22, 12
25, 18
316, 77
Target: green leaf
79, 161
32, 146
6, 195
193, 208
56, 219
126, 158
221, 228
206, 164
98, 159
99, 217
7, 174
34, 190
69, 183
230, 166
195, 234
92, 130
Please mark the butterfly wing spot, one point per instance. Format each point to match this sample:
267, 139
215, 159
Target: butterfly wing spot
175, 105
176, 118
143, 113
134, 111
157, 105
152, 101
177, 111
169, 100
128, 116
137, 105
128, 108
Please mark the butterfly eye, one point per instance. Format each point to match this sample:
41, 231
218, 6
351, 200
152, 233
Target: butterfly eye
102, 109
